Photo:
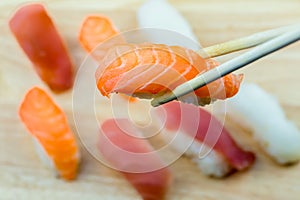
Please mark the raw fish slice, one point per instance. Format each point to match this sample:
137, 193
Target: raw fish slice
120, 146
260, 112
54, 139
167, 17
145, 70
209, 132
96, 35
95, 30
38, 37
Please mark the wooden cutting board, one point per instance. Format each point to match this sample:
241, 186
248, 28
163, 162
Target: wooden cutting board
22, 175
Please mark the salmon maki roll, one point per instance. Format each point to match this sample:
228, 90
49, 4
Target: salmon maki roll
121, 145
48, 125
195, 124
147, 70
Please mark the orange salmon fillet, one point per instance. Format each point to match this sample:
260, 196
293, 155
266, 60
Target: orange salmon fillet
48, 125
151, 69
95, 30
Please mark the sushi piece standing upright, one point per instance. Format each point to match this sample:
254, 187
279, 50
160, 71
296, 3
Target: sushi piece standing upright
120, 144
182, 123
55, 142
95, 30
98, 34
255, 109
38, 37
161, 15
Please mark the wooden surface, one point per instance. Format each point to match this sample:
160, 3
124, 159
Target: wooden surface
22, 175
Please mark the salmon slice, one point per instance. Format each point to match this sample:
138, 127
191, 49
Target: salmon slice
41, 42
48, 125
146, 70
98, 34
95, 30
128, 154
205, 129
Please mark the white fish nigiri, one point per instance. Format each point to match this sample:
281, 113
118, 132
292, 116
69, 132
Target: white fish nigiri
160, 14
260, 112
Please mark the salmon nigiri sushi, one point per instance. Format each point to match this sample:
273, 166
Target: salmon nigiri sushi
54, 139
96, 29
98, 34
146, 70
221, 153
120, 143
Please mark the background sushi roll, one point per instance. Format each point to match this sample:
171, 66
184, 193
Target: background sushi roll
120, 144
38, 37
97, 35
213, 149
162, 15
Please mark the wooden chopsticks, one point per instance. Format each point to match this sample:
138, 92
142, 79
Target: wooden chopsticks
268, 42
244, 42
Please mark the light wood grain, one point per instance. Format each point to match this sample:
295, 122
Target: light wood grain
22, 175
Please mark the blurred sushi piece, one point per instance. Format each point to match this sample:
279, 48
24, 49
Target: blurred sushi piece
38, 37
120, 143
212, 147
162, 15
97, 35
55, 142
260, 112
94, 30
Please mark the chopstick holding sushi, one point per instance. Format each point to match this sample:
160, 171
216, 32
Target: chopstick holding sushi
230, 66
167, 17
147, 70
169, 72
